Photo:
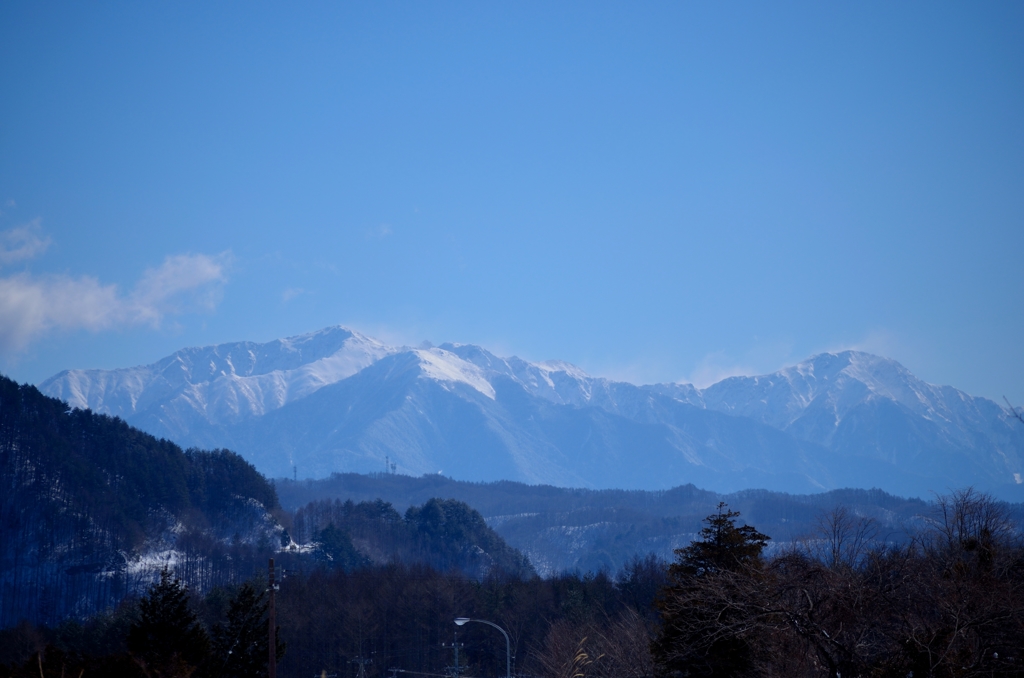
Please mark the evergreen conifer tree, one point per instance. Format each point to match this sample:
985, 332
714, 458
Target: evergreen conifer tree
336, 548
722, 547
167, 640
241, 643
703, 633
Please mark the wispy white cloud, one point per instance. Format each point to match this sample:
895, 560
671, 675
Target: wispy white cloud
183, 283
379, 232
292, 292
714, 367
33, 306
879, 341
22, 243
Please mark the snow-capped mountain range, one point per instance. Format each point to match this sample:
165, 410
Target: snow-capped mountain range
336, 400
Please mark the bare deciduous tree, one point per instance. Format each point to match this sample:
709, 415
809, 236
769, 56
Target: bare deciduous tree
843, 538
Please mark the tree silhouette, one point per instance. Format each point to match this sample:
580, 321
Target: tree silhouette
241, 643
167, 640
722, 547
703, 632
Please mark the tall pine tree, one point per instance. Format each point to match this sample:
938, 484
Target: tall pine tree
703, 633
723, 546
167, 640
241, 643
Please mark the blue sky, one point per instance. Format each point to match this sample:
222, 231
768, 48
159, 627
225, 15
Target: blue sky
653, 191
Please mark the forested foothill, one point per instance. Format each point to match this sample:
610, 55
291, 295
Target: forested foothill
90, 506
948, 602
572, 528
125, 556
443, 533
93, 509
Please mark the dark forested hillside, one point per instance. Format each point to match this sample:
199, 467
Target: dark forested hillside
93, 508
565, 529
88, 500
947, 603
443, 533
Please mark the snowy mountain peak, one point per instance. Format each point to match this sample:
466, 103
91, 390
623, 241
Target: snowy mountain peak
224, 381
562, 366
553, 380
848, 374
827, 373
818, 397
815, 424
444, 366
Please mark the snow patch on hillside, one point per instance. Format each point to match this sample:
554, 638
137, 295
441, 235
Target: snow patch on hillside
442, 365
225, 382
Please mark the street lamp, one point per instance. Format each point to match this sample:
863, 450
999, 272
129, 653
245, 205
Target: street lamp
459, 621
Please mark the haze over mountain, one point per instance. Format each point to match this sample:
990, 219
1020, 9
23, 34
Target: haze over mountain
335, 400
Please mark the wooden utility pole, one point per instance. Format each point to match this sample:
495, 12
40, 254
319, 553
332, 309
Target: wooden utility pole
272, 623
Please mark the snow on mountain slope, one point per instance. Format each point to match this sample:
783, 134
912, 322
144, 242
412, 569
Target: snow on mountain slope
393, 409
230, 382
221, 383
858, 404
335, 400
446, 367
216, 385
560, 382
829, 387
844, 380
554, 380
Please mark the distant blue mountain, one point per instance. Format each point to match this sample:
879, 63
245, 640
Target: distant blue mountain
337, 401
